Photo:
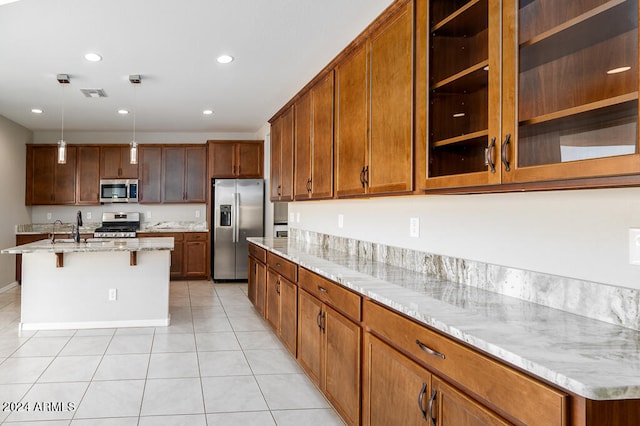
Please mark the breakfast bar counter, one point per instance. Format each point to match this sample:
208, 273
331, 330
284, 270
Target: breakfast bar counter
96, 283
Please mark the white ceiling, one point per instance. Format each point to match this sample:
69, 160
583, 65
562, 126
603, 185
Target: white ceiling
278, 46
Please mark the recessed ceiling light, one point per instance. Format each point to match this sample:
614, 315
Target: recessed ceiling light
123, 112
224, 59
618, 70
207, 112
93, 57
36, 111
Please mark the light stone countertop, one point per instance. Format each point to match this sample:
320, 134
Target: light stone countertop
89, 228
93, 245
591, 358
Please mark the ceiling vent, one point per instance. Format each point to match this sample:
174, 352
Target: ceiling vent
94, 93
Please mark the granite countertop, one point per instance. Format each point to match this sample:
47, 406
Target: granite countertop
591, 358
89, 228
93, 245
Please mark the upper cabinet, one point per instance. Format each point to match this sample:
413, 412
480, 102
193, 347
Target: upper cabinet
570, 108
184, 172
282, 157
88, 175
236, 159
150, 185
48, 182
313, 139
115, 163
374, 110
531, 91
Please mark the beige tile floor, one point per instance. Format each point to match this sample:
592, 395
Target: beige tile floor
218, 363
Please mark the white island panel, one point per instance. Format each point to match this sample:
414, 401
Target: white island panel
77, 295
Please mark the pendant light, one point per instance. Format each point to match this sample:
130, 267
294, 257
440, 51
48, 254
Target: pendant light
62, 145
135, 79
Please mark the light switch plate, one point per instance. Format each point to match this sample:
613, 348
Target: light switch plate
297, 217
88, 215
292, 217
634, 246
197, 213
414, 227
340, 221
48, 215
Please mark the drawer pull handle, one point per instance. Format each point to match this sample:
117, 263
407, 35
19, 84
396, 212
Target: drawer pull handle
429, 350
323, 290
432, 419
278, 265
423, 391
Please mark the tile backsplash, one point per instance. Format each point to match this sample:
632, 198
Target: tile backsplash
615, 305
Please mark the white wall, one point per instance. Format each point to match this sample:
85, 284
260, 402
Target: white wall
580, 234
13, 138
265, 134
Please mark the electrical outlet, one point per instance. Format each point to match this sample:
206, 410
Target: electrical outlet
113, 294
297, 217
340, 221
414, 227
292, 217
197, 213
148, 215
48, 215
88, 215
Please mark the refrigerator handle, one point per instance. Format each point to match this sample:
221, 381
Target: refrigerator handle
236, 225
234, 213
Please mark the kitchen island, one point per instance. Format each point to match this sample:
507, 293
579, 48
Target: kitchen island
96, 283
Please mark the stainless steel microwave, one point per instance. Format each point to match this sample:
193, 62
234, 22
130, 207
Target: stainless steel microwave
118, 190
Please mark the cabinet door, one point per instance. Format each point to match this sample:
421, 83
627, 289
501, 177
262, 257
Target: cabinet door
40, 174
196, 174
341, 352
464, 93
391, 123
88, 175
453, 408
196, 255
289, 314
252, 280
352, 121
395, 389
272, 313
150, 174
309, 334
276, 159
322, 139
250, 159
173, 174
110, 161
128, 170
286, 147
64, 186
261, 287
222, 159
585, 125
302, 184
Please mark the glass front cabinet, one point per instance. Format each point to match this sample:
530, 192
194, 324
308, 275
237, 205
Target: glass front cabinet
530, 91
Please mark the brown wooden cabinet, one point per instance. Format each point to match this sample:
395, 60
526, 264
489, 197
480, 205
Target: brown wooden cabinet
374, 110
282, 157
314, 142
115, 163
190, 255
501, 109
329, 343
48, 182
184, 174
257, 284
236, 159
281, 300
88, 175
150, 182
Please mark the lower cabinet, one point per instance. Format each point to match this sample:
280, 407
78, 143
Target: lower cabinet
190, 254
282, 309
257, 277
329, 346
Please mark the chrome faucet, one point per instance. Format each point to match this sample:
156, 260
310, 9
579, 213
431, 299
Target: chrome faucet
75, 232
53, 231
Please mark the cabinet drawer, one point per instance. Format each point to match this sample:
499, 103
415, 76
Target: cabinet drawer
258, 252
196, 236
338, 297
507, 390
282, 266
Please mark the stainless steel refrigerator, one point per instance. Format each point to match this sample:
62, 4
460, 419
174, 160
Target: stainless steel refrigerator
237, 214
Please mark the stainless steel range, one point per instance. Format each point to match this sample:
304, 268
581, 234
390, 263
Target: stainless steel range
118, 225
